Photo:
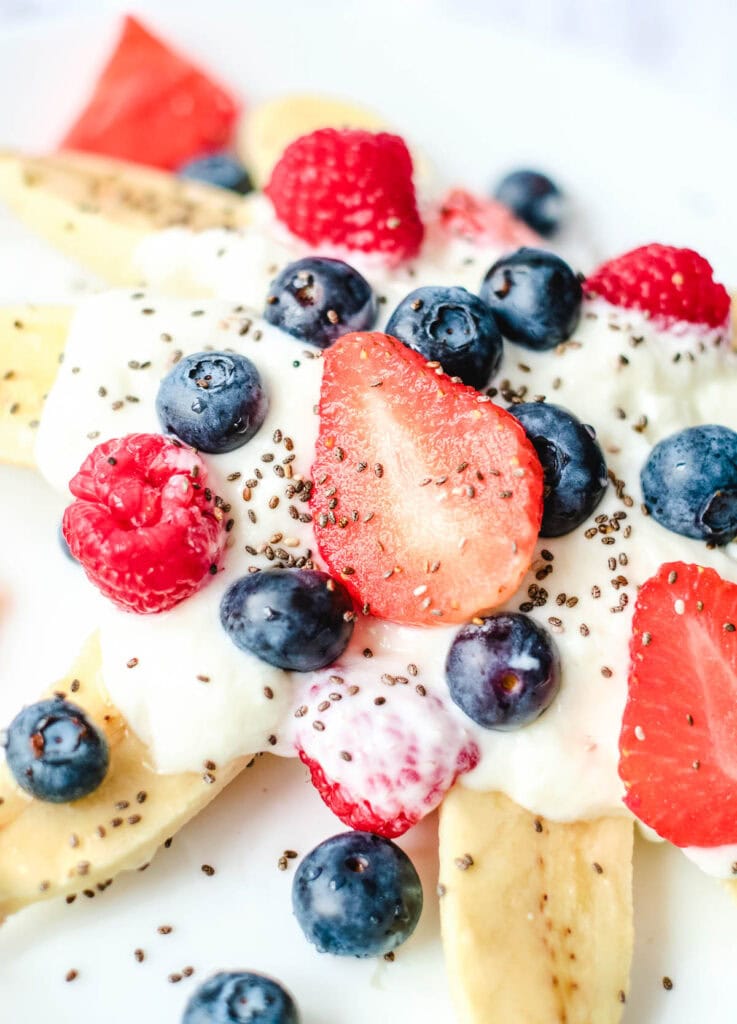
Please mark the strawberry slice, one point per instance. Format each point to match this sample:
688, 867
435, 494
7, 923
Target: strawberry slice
153, 106
678, 745
462, 214
427, 497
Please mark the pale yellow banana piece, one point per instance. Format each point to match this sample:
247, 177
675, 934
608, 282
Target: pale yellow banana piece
268, 129
49, 850
536, 916
97, 210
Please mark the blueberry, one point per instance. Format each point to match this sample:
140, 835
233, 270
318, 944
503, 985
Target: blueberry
219, 169
454, 327
318, 300
357, 894
240, 997
214, 401
504, 673
574, 468
54, 752
535, 297
297, 619
689, 483
534, 198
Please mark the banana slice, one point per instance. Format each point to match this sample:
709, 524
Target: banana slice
97, 210
536, 916
49, 850
268, 129
32, 340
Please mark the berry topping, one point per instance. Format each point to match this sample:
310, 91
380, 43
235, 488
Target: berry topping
534, 198
240, 997
219, 169
54, 752
349, 188
483, 221
144, 525
665, 282
504, 672
689, 483
63, 546
678, 745
452, 326
318, 300
535, 297
214, 401
298, 619
384, 753
428, 497
574, 467
357, 895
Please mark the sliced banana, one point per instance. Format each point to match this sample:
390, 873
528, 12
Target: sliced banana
536, 916
49, 850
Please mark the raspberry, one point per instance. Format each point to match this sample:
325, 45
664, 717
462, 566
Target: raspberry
144, 525
461, 214
349, 188
666, 282
388, 752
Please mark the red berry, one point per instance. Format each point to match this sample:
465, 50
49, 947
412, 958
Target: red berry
477, 219
349, 188
666, 282
381, 767
427, 497
678, 745
144, 525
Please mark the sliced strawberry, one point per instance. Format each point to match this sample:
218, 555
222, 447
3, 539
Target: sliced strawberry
153, 106
427, 497
462, 214
385, 752
678, 745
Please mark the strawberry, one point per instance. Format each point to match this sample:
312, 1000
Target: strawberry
678, 745
384, 753
665, 282
427, 497
349, 188
461, 214
144, 526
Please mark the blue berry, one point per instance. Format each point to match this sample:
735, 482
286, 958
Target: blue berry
318, 300
534, 198
504, 673
219, 169
535, 297
452, 326
297, 619
240, 997
55, 753
213, 401
574, 468
689, 483
357, 894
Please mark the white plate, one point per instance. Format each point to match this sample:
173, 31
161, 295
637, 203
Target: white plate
477, 101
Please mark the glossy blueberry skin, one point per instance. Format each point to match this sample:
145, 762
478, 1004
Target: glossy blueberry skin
504, 673
535, 297
240, 997
55, 753
574, 467
296, 619
534, 198
452, 326
213, 401
689, 483
219, 169
318, 300
357, 894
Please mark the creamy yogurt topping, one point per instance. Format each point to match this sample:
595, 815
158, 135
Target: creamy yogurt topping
193, 696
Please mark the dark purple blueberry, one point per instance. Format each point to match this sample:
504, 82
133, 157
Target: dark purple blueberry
534, 198
220, 169
505, 672
240, 997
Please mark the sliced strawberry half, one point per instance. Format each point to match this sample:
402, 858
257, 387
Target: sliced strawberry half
427, 497
678, 745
